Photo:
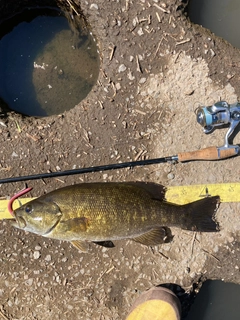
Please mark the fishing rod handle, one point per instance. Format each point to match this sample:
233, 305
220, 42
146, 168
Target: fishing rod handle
210, 153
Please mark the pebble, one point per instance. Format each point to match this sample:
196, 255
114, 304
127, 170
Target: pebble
122, 68
118, 86
170, 176
124, 123
140, 32
142, 80
94, 6
105, 175
130, 76
36, 255
14, 154
48, 257
135, 21
10, 304
64, 259
29, 282
82, 271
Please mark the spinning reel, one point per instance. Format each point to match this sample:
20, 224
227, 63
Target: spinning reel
219, 114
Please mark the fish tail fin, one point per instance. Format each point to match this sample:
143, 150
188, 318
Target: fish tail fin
200, 215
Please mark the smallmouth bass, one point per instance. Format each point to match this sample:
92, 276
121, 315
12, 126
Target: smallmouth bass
102, 212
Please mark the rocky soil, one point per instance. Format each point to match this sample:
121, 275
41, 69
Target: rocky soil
156, 69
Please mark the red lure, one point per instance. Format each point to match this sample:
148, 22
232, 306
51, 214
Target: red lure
16, 196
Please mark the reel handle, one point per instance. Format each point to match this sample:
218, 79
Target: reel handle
210, 153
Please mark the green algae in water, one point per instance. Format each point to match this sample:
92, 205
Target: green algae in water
46, 67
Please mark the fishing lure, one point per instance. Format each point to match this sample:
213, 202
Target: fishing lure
16, 196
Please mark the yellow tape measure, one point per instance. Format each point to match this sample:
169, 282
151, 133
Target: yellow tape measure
228, 192
4, 213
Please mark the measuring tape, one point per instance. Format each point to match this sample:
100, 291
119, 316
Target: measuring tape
228, 192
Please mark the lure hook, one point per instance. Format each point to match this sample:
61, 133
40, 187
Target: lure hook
16, 196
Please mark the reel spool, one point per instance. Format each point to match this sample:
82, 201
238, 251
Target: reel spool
219, 114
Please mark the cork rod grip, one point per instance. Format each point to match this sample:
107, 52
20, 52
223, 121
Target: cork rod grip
210, 153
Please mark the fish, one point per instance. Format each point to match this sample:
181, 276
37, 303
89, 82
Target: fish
102, 212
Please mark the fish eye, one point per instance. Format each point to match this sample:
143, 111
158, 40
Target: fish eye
28, 209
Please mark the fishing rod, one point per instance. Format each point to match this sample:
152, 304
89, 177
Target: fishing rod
219, 114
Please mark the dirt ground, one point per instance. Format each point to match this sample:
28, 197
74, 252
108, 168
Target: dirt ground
156, 69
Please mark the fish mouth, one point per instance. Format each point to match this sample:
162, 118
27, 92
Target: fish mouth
19, 222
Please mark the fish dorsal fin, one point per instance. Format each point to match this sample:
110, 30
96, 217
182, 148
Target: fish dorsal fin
155, 237
155, 190
80, 245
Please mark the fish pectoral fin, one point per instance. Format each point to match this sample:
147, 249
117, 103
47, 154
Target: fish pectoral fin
80, 245
75, 225
107, 244
155, 237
